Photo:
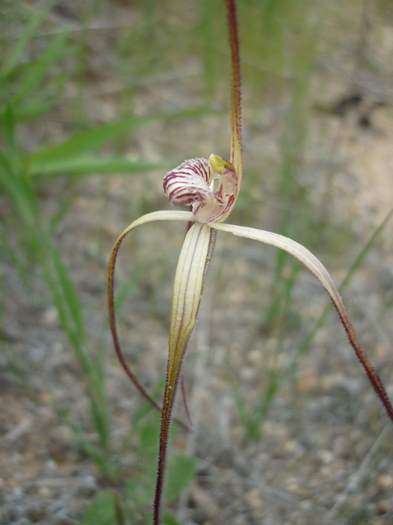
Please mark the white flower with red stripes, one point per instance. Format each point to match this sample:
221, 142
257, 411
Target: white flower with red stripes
208, 186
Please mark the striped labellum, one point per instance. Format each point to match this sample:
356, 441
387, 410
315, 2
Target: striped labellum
209, 186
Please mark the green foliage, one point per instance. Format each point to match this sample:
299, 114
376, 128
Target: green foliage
14, 55
181, 471
107, 509
181, 467
101, 511
35, 73
16, 182
170, 520
30, 86
84, 142
87, 165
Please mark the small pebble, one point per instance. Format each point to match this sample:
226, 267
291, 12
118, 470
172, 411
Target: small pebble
49, 317
36, 512
44, 492
384, 506
308, 381
205, 501
306, 504
17, 493
254, 499
88, 486
247, 373
255, 357
385, 481
326, 456
293, 447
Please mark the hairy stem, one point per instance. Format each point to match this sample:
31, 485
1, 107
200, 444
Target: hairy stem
236, 121
169, 398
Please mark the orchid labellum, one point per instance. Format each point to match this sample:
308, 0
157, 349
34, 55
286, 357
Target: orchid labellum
210, 187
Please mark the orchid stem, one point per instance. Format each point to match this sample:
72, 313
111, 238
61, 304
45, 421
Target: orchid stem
169, 398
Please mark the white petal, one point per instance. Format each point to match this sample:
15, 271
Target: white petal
161, 215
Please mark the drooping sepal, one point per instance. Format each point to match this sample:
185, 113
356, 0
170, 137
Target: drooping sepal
312, 263
187, 293
209, 186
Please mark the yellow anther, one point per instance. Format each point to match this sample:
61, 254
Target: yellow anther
218, 164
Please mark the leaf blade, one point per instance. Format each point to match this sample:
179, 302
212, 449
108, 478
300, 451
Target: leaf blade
89, 165
91, 139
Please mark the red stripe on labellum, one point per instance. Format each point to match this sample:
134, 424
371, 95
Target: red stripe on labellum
191, 184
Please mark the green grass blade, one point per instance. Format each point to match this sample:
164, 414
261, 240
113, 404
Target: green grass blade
36, 71
67, 288
86, 141
19, 192
100, 511
181, 471
34, 21
17, 186
306, 343
89, 165
7, 121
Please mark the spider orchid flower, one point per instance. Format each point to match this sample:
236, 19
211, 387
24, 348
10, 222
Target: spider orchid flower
210, 187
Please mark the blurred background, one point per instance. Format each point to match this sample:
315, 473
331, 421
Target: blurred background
98, 99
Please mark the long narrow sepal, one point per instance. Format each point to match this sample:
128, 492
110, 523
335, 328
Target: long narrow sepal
150, 217
236, 118
187, 293
318, 269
